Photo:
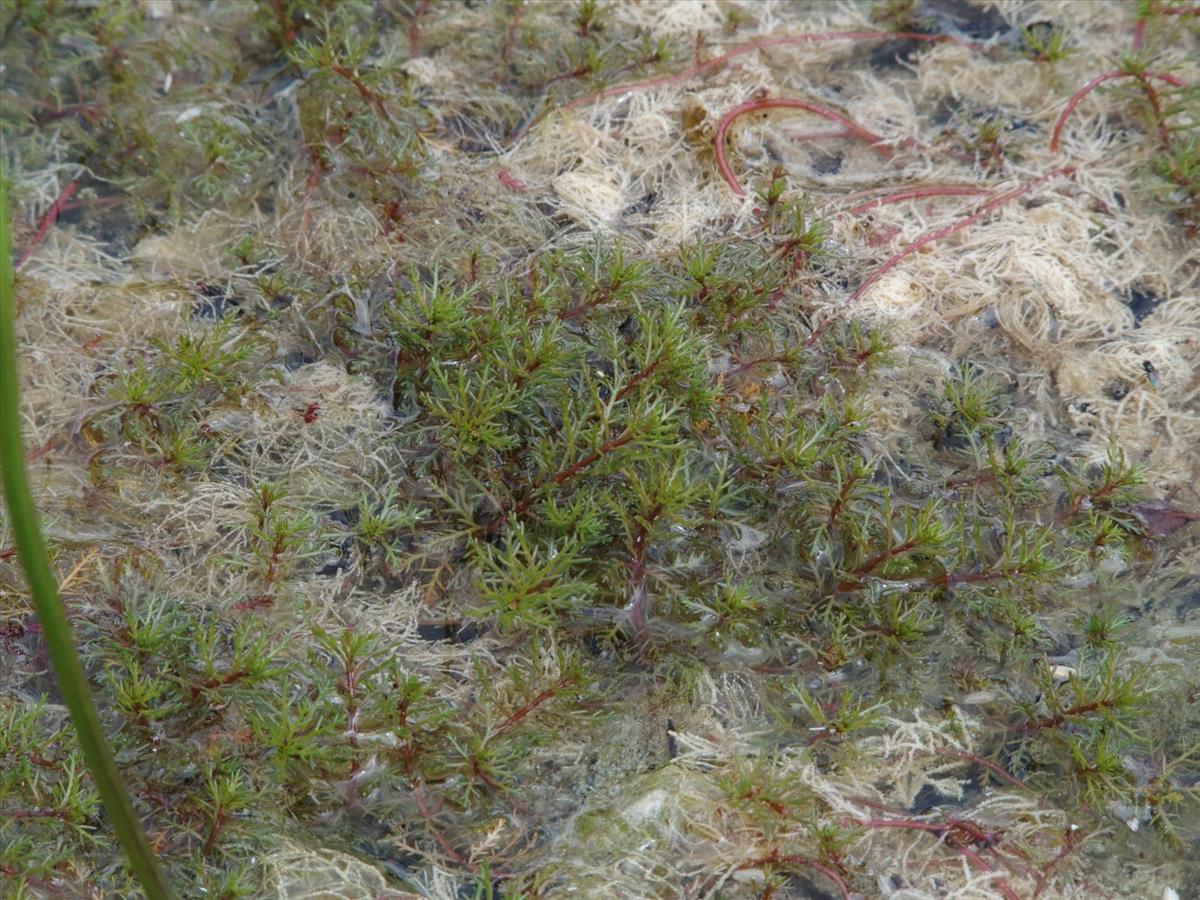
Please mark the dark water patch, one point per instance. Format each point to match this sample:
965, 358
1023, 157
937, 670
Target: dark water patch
297, 359
644, 205
951, 18
214, 302
1189, 598
1141, 302
972, 20
450, 631
827, 164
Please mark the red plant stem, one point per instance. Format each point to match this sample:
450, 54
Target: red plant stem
637, 379
835, 509
365, 92
1078, 96
1139, 30
944, 190
513, 184
740, 50
1139, 34
287, 31
1058, 718
1161, 10
1098, 497
987, 764
348, 688
510, 33
838, 134
580, 464
1001, 883
87, 111
749, 106
38, 760
590, 303
969, 829
209, 684
218, 823
566, 76
533, 704
844, 134
1164, 133
749, 47
35, 814
946, 580
937, 234
883, 236
92, 201
256, 602
448, 848
895, 550
414, 30
48, 219
561, 477
310, 185
639, 598
775, 858
1072, 841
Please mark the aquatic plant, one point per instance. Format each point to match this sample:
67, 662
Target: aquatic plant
526, 489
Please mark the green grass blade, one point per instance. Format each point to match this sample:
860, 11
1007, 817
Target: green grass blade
50, 611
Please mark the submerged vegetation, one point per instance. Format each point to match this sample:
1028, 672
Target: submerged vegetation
433, 518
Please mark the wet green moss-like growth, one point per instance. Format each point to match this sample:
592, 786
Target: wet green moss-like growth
489, 549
